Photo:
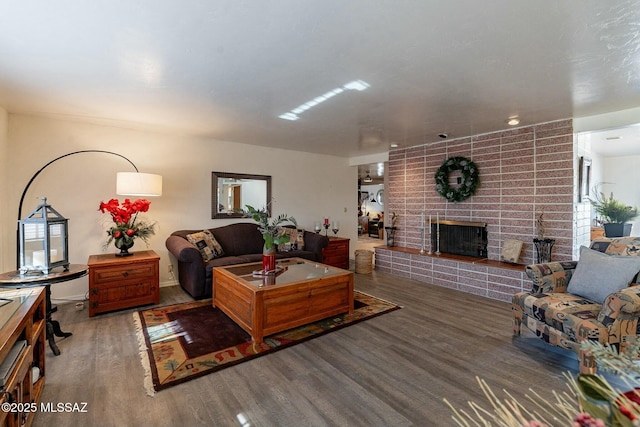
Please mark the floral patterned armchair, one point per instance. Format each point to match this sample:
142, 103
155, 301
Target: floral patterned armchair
565, 319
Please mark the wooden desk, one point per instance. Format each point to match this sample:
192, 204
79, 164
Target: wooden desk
22, 335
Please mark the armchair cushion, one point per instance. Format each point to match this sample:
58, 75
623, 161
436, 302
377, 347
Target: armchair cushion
574, 317
550, 277
598, 275
618, 246
625, 302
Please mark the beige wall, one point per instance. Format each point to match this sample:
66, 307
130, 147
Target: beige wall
307, 186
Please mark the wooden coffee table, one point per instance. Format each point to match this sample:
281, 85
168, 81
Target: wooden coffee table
301, 293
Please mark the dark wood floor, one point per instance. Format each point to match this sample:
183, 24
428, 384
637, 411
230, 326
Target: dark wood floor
393, 370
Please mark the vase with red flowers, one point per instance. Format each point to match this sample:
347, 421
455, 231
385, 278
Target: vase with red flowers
127, 224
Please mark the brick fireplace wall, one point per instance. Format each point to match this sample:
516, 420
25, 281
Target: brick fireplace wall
523, 172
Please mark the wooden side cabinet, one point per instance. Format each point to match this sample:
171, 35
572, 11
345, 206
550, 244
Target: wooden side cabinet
22, 338
123, 282
337, 253
597, 232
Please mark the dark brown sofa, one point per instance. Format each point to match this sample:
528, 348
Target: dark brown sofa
241, 243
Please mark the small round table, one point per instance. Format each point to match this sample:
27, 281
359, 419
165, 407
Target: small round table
14, 279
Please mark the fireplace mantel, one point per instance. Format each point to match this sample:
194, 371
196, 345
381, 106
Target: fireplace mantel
463, 223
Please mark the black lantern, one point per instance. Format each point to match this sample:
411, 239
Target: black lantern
44, 240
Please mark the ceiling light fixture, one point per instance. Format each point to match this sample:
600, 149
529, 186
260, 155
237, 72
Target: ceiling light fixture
293, 115
513, 121
394, 145
367, 178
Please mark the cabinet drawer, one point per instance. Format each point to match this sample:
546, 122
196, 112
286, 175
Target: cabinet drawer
330, 254
333, 258
132, 290
338, 246
334, 254
336, 251
132, 271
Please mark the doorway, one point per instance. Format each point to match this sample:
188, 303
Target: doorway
614, 156
371, 201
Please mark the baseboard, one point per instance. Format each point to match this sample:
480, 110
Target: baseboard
168, 283
70, 298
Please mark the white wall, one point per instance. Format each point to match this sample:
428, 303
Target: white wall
621, 176
308, 186
373, 208
597, 178
582, 209
5, 212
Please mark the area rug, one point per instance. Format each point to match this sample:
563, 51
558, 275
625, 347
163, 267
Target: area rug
184, 341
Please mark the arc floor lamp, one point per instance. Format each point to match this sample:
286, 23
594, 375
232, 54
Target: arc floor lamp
127, 184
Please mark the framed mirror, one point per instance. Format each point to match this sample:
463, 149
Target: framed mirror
231, 192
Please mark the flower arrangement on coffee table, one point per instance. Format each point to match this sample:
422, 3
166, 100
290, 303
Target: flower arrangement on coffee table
127, 225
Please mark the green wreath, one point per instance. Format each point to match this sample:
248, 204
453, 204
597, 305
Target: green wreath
470, 179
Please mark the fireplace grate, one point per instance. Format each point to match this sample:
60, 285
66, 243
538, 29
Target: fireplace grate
461, 238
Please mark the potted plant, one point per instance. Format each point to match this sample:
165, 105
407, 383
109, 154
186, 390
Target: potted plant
272, 233
613, 214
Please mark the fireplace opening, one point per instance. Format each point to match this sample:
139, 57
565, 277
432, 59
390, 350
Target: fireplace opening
460, 238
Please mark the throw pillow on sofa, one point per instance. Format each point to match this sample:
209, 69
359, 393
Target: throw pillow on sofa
296, 239
598, 275
300, 239
207, 245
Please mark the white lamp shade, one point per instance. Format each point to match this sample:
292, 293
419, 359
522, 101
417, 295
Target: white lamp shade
138, 184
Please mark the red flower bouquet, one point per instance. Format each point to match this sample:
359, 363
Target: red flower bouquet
128, 226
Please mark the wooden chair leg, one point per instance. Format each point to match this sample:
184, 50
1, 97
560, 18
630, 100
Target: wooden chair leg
517, 323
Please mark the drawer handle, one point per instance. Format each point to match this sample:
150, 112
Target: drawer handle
125, 273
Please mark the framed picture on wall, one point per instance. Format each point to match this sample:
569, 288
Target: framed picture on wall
584, 178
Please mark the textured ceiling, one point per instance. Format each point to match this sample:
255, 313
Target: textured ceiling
228, 69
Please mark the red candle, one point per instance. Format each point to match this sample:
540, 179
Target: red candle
326, 221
